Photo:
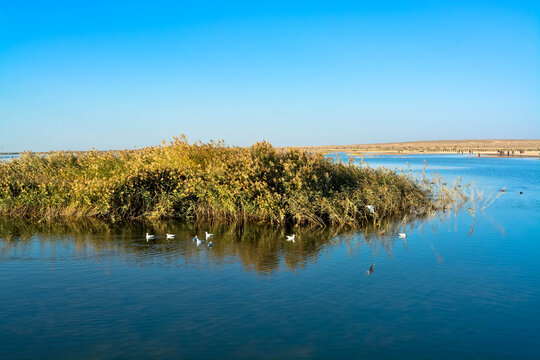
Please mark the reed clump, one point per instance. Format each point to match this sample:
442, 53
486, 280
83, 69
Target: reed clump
207, 181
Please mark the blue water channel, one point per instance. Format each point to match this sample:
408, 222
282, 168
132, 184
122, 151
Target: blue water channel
461, 285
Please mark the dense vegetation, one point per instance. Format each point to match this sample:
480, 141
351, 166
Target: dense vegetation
206, 181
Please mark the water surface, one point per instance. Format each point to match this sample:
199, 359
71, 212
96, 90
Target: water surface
457, 287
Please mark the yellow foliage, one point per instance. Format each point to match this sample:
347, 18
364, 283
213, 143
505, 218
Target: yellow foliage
199, 181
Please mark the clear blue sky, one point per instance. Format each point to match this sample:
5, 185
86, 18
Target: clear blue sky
77, 74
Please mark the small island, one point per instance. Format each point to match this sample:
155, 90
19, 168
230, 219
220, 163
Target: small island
200, 181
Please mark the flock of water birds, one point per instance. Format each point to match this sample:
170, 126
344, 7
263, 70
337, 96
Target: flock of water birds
290, 238
199, 241
195, 239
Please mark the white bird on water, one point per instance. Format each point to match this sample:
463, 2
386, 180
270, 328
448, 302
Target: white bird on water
291, 237
195, 238
402, 235
199, 241
210, 244
170, 236
208, 236
150, 237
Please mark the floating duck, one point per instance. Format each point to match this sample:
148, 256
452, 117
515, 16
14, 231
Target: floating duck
210, 244
371, 269
402, 235
150, 237
170, 236
208, 236
195, 238
291, 237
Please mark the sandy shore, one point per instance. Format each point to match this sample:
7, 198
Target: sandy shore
526, 154
491, 148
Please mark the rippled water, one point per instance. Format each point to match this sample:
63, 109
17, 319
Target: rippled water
457, 287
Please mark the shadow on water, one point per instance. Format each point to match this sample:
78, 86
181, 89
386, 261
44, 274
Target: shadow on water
258, 248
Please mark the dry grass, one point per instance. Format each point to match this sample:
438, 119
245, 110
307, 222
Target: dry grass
210, 181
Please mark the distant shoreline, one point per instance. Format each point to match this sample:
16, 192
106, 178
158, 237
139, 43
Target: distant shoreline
486, 148
512, 148
403, 153
482, 154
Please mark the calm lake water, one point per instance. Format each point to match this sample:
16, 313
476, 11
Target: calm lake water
457, 287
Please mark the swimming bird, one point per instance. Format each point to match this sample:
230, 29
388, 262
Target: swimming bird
291, 237
150, 237
371, 208
210, 244
195, 238
199, 241
371, 269
208, 235
170, 236
402, 235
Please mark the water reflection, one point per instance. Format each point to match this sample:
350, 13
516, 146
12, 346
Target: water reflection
468, 277
261, 249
